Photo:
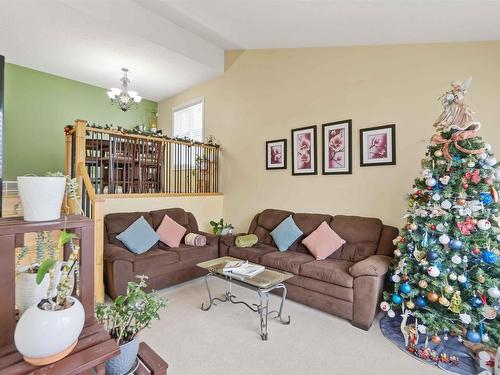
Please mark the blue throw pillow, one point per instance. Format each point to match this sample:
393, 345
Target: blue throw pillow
139, 237
286, 233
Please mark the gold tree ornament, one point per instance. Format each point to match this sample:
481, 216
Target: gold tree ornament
456, 303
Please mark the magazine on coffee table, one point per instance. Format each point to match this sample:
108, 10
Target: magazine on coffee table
242, 268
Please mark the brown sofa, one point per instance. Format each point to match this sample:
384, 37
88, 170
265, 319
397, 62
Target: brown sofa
349, 283
163, 265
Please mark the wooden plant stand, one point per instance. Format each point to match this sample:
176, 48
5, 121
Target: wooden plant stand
94, 346
150, 363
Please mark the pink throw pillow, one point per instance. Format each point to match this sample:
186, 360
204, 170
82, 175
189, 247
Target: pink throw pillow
323, 241
170, 232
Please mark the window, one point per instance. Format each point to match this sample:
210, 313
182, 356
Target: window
187, 121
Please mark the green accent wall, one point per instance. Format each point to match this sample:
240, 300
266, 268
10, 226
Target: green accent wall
38, 106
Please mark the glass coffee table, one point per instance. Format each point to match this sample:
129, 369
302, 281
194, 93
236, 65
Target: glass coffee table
262, 283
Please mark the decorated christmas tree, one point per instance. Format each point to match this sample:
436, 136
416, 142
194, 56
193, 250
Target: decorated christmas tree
446, 267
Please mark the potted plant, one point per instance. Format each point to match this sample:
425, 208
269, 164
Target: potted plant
125, 318
42, 196
221, 228
28, 290
48, 331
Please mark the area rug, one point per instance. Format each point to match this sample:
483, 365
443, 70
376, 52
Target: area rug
391, 328
225, 340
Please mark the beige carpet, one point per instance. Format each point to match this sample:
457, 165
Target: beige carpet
225, 340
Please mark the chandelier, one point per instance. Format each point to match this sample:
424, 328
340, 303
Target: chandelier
124, 98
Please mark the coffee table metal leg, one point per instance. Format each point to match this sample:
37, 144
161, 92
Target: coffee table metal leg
210, 298
283, 299
263, 313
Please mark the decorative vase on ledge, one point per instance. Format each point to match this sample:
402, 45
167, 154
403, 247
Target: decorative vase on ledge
41, 197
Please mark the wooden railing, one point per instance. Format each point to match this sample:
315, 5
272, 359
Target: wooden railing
109, 163
121, 163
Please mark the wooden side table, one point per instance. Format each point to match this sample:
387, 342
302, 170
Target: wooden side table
150, 362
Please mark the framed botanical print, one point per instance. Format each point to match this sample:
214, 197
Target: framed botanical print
276, 154
304, 151
337, 147
378, 145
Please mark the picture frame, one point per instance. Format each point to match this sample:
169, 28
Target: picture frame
378, 145
337, 147
304, 155
276, 155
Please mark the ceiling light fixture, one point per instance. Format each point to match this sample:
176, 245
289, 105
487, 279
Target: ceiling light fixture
124, 98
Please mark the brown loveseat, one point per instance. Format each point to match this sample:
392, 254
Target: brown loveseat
163, 265
349, 283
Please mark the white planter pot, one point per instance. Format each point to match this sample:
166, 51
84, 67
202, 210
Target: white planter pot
41, 197
44, 337
28, 292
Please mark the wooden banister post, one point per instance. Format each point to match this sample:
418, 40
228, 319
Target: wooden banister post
98, 216
80, 152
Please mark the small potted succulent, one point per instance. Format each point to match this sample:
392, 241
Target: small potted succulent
48, 331
125, 318
221, 228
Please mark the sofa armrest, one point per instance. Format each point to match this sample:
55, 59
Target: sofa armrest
114, 252
212, 239
375, 265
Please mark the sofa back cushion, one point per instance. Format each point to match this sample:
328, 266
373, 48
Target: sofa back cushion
118, 222
266, 221
186, 219
362, 235
308, 223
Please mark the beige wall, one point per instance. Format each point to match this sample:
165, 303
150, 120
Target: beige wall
204, 208
265, 93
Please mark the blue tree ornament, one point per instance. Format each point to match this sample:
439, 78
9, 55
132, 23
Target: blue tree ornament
489, 257
455, 245
405, 288
486, 198
476, 302
473, 336
432, 255
397, 299
420, 301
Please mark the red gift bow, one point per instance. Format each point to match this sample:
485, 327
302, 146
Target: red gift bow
467, 226
455, 138
473, 176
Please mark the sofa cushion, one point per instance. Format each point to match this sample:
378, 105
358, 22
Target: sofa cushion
118, 222
332, 290
286, 233
308, 223
170, 232
185, 252
329, 270
139, 237
266, 222
153, 262
177, 214
252, 254
362, 235
290, 261
323, 241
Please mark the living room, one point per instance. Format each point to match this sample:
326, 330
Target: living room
317, 178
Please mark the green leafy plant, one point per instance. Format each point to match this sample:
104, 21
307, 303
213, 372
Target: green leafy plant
131, 313
219, 226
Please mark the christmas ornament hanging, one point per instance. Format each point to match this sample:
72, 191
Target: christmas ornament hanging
460, 201
405, 288
432, 296
446, 204
453, 276
444, 239
449, 289
391, 314
422, 284
433, 271
473, 337
494, 292
384, 306
432, 255
410, 304
484, 224
420, 301
489, 257
462, 279
456, 259
397, 299
455, 245
476, 302
444, 301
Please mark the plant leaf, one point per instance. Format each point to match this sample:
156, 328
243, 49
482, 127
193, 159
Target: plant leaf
65, 237
43, 269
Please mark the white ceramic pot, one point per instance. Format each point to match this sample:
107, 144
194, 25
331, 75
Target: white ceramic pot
44, 337
28, 292
41, 197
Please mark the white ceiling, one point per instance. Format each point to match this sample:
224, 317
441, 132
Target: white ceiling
170, 45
